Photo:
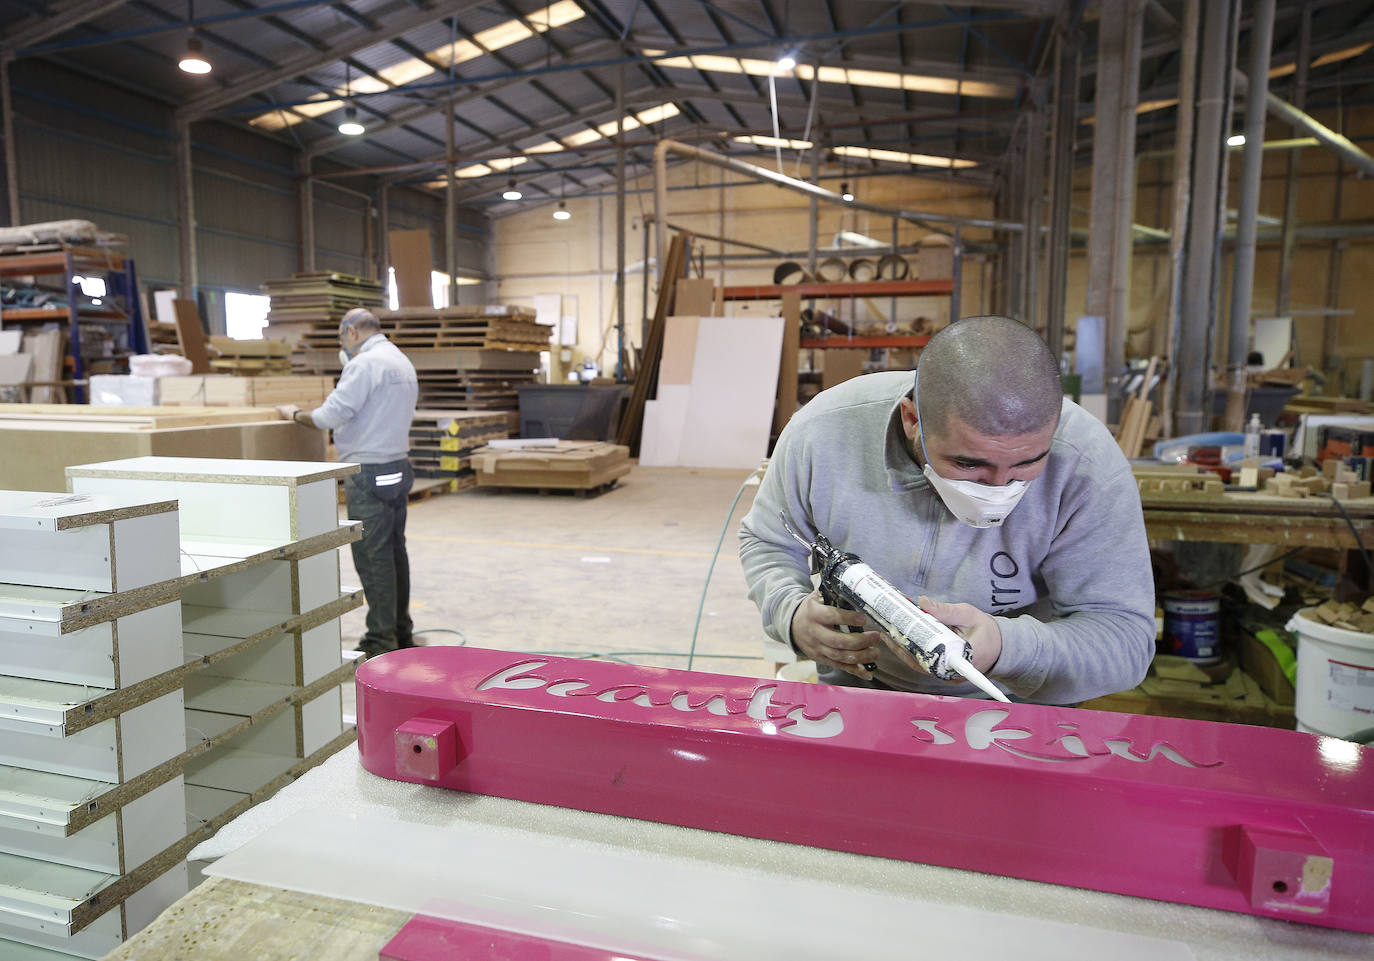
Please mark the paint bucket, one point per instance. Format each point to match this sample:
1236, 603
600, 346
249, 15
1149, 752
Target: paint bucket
1335, 688
1192, 625
1273, 442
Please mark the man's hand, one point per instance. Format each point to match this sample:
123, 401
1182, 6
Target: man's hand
815, 633
287, 411
977, 627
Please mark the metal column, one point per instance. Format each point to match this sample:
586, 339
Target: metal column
1243, 274
1182, 195
11, 151
186, 212
450, 208
383, 232
1113, 185
1287, 242
307, 213
1061, 186
1033, 195
1201, 255
620, 223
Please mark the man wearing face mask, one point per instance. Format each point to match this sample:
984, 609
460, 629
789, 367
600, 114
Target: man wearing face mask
976, 487
370, 413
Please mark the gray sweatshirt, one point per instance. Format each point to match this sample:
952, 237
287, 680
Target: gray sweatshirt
1067, 574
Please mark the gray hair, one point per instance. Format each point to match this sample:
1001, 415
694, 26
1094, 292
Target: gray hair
992, 372
362, 320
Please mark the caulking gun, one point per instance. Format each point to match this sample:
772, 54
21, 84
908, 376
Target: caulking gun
848, 583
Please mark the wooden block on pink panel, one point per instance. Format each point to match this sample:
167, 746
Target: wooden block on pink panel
1134, 805
436, 939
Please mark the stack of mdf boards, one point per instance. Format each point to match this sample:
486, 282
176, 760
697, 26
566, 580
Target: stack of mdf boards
442, 442
717, 386
319, 297
169, 656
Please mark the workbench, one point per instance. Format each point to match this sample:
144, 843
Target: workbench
222, 919
1257, 518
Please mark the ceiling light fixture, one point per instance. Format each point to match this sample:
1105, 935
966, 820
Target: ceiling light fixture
562, 212
194, 59
845, 195
511, 192
786, 64
1236, 140
349, 126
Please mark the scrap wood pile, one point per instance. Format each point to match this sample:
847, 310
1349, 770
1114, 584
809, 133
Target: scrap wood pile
442, 442
1347, 616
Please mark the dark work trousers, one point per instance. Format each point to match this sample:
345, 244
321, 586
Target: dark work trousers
377, 497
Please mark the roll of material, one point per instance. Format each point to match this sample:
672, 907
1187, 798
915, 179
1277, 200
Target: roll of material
831, 270
862, 270
790, 272
893, 267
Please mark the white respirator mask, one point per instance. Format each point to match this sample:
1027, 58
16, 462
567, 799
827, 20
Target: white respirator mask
977, 505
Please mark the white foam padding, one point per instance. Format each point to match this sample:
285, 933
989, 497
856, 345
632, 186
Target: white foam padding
342, 787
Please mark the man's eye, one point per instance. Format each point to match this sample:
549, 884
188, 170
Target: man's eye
965, 465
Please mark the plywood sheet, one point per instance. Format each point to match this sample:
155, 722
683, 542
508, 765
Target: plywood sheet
663, 422
786, 404
413, 260
734, 385
679, 351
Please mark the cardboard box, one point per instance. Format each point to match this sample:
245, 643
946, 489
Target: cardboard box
572, 465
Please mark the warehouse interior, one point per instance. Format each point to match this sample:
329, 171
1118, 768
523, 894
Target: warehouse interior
629, 258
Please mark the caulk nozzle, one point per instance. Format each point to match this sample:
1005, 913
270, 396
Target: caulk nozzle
974, 676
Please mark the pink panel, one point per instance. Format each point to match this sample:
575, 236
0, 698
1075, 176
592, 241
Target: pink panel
436, 939
1225, 816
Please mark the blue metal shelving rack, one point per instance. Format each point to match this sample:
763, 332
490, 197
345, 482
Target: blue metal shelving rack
119, 308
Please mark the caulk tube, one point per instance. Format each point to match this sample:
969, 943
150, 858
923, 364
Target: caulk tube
940, 651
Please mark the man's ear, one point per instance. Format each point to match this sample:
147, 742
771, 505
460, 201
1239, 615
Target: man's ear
910, 423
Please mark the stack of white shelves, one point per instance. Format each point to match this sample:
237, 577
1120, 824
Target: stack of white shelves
260, 611
92, 805
156, 678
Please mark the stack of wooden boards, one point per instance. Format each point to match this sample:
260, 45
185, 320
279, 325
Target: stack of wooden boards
320, 297
41, 440
568, 465
225, 390
164, 665
249, 358
442, 442
1335, 479
493, 327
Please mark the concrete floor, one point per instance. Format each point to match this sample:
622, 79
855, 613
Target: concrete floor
619, 573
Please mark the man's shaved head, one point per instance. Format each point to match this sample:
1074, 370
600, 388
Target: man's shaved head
994, 373
362, 320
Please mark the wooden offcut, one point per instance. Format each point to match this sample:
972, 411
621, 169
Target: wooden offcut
191, 336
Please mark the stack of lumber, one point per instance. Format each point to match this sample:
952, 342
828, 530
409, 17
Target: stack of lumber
568, 465
227, 390
491, 327
442, 442
41, 440
454, 379
320, 297
1136, 415
249, 358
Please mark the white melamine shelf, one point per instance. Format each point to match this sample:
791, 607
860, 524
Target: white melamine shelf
15, 951
34, 892
44, 707
52, 611
233, 624
231, 769
205, 805
43, 511
230, 696
38, 799
216, 470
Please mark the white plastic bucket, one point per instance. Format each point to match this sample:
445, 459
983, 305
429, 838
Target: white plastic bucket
799, 671
1335, 686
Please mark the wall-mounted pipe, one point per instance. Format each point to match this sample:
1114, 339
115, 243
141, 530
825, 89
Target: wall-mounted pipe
664, 147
